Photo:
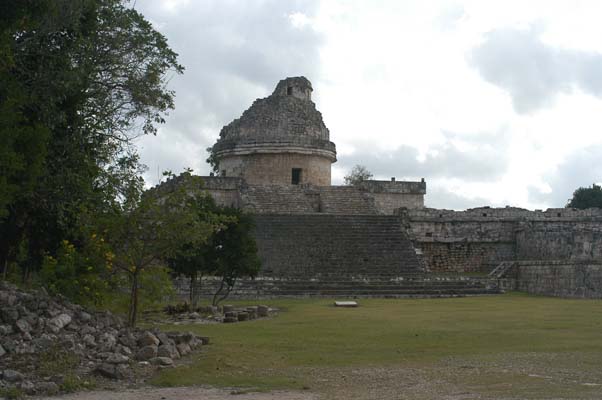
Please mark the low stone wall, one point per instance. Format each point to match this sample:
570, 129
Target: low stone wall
465, 256
478, 239
225, 191
305, 199
560, 278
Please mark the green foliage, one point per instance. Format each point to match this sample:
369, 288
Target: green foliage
56, 360
358, 174
12, 393
81, 276
194, 260
235, 252
149, 228
60, 361
212, 160
586, 197
78, 81
156, 288
74, 383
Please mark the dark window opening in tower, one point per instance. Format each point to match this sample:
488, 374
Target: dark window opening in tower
289, 91
296, 177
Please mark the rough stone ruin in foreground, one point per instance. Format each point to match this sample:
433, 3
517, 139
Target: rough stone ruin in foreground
48, 345
376, 238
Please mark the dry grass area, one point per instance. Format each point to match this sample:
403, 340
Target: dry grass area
512, 346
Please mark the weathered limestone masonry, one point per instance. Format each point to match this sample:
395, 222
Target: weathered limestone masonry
279, 140
569, 278
388, 195
276, 158
550, 245
314, 238
323, 246
371, 197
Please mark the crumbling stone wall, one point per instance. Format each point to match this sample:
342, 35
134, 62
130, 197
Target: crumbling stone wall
276, 134
572, 237
303, 199
225, 191
579, 279
479, 239
391, 195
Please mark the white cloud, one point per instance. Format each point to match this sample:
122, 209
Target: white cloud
533, 72
411, 89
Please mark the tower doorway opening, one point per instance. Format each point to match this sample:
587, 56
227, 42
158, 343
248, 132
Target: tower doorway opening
296, 176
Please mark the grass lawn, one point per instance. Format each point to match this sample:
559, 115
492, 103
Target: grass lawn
513, 346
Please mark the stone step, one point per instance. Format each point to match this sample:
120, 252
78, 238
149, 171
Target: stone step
346, 288
325, 244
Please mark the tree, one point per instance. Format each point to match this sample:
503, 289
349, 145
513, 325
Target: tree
79, 80
154, 226
358, 174
196, 260
212, 160
586, 197
235, 252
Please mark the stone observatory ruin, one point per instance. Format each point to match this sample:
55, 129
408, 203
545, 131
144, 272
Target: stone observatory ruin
376, 238
279, 140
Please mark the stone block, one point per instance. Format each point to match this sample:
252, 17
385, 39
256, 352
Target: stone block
148, 339
146, 353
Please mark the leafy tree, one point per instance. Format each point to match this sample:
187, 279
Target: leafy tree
235, 252
152, 227
194, 263
81, 276
212, 160
357, 174
79, 80
586, 197
199, 259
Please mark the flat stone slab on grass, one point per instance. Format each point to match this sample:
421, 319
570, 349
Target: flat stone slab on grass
345, 304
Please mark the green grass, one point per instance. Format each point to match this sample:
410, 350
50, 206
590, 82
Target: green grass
423, 334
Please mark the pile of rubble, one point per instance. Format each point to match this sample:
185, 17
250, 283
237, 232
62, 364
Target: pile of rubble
233, 314
37, 331
218, 314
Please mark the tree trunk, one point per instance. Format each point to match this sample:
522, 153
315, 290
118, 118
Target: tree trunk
133, 311
225, 296
195, 290
191, 289
25, 274
215, 301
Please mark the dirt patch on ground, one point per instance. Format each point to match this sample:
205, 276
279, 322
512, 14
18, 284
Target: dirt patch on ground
512, 376
188, 393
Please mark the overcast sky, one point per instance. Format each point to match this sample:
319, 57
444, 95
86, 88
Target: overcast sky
492, 102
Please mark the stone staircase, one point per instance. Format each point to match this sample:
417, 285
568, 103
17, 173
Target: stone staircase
293, 199
346, 200
501, 269
417, 286
326, 246
329, 255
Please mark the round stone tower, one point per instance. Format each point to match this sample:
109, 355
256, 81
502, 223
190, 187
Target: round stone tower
279, 140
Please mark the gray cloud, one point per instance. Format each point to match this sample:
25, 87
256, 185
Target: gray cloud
438, 197
580, 169
233, 52
533, 72
487, 160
